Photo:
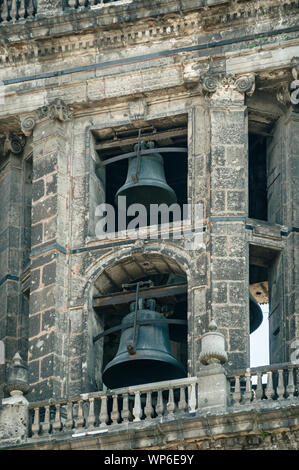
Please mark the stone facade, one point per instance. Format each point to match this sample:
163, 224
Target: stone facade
219, 74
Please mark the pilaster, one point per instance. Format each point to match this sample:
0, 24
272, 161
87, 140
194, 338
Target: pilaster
48, 325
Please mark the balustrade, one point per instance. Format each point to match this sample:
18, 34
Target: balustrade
17, 10
103, 410
278, 382
100, 412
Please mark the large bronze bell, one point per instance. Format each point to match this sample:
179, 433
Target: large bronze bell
146, 183
152, 360
256, 314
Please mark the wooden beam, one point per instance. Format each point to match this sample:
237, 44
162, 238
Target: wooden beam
133, 140
125, 297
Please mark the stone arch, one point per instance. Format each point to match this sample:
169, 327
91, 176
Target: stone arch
107, 275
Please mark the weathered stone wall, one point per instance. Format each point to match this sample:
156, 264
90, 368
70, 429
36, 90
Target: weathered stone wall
181, 69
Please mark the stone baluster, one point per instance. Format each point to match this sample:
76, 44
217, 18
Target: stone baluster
4, 11
280, 385
171, 404
46, 425
270, 392
159, 406
148, 409
69, 419
72, 3
82, 3
259, 387
137, 410
192, 398
237, 391
13, 10
104, 412
91, 419
30, 9
57, 425
291, 385
79, 423
35, 428
248, 388
125, 410
182, 405
22, 10
115, 416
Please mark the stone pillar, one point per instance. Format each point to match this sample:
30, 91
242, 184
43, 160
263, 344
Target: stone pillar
213, 390
11, 244
48, 324
228, 249
198, 190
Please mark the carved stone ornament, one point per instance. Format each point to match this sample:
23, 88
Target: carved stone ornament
14, 143
57, 110
243, 84
213, 346
28, 123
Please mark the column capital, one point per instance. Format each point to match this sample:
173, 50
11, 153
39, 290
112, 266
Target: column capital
240, 83
209, 81
57, 110
14, 142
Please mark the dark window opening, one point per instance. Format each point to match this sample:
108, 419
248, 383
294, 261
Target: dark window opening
258, 177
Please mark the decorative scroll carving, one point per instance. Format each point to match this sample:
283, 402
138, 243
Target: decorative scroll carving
57, 110
14, 143
243, 84
28, 123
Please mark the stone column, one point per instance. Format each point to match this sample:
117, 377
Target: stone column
48, 323
228, 249
198, 190
11, 243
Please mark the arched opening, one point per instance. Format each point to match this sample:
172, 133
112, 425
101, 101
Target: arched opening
162, 289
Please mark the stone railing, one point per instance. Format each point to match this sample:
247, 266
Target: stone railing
98, 412
84, 4
17, 10
271, 383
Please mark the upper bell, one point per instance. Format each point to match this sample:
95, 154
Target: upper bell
146, 183
152, 360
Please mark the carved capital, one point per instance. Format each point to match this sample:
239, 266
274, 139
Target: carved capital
243, 83
57, 110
